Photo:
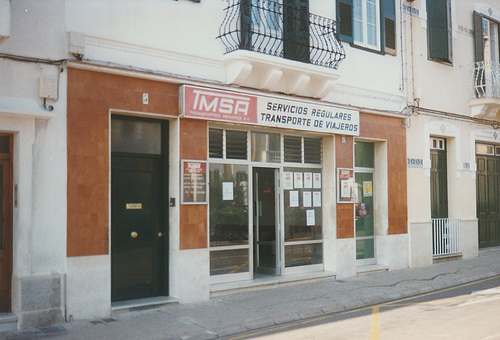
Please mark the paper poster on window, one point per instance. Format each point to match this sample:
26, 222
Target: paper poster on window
307, 199
310, 218
345, 189
294, 198
367, 189
362, 210
317, 199
227, 191
287, 180
308, 180
194, 182
345, 186
317, 180
297, 180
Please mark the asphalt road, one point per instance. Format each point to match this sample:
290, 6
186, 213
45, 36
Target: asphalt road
468, 311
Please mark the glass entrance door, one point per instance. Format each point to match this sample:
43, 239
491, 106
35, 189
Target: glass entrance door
365, 239
266, 230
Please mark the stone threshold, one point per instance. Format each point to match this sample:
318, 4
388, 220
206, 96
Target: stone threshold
371, 268
138, 304
8, 322
266, 281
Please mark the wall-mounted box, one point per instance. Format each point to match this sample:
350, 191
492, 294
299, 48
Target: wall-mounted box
4, 20
47, 88
77, 44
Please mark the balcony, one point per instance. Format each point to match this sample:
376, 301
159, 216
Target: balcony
297, 52
486, 85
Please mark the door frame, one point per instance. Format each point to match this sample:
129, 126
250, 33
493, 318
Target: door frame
7, 207
164, 281
371, 260
494, 157
277, 229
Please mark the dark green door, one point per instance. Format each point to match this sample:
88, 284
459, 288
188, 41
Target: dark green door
138, 210
439, 184
488, 200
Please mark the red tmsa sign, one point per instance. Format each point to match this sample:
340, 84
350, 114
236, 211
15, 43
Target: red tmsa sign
213, 104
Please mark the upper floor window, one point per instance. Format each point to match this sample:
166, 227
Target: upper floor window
439, 30
486, 32
280, 25
368, 23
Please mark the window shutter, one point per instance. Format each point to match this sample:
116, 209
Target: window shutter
439, 33
312, 150
215, 142
246, 24
344, 20
236, 144
479, 75
296, 30
388, 26
478, 36
293, 149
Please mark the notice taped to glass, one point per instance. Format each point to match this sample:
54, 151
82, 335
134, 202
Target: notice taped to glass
194, 182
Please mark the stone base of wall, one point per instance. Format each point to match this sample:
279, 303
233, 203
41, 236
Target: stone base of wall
38, 300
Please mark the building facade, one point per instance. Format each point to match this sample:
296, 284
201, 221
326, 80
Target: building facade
169, 152
451, 69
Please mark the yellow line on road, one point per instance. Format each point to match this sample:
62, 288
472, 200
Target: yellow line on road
375, 312
375, 332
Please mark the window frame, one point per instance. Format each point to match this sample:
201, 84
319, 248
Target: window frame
386, 19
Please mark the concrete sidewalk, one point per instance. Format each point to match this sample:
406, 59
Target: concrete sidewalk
234, 313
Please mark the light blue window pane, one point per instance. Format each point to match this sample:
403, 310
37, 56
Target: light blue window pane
358, 30
372, 35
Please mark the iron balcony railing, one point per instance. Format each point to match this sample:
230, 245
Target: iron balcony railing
276, 29
446, 236
486, 79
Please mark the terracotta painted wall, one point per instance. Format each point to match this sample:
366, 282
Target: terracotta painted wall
193, 218
90, 97
344, 154
389, 129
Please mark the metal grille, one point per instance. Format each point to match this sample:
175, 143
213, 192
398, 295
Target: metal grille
258, 25
445, 236
486, 79
312, 150
236, 144
293, 149
215, 148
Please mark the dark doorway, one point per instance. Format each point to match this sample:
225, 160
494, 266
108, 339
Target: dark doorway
266, 247
488, 200
6, 186
139, 213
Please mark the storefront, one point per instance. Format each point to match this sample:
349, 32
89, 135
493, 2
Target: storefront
168, 201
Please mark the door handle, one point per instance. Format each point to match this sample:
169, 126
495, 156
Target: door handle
160, 234
133, 234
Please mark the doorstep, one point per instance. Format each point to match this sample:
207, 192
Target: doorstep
372, 268
152, 302
8, 322
266, 281
485, 251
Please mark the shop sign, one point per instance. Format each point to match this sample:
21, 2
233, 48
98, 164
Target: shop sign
194, 182
228, 106
345, 180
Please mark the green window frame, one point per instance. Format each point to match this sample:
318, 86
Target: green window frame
439, 31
